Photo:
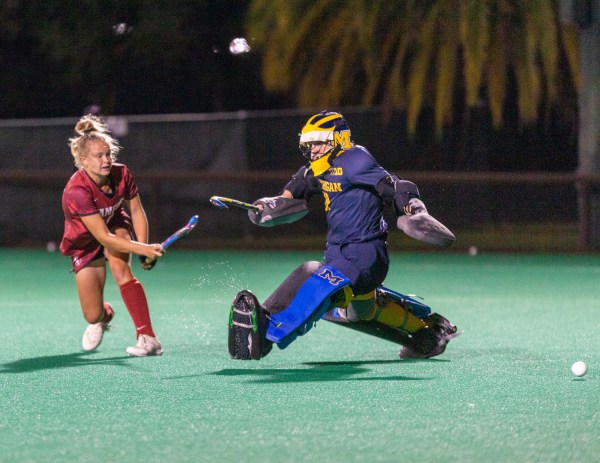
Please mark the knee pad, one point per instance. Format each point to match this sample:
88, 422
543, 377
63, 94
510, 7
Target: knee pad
314, 295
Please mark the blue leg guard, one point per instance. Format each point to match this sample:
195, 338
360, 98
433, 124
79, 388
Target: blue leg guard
311, 301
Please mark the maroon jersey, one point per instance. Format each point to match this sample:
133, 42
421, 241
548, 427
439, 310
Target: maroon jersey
83, 197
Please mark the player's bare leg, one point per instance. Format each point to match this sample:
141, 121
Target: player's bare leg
90, 286
134, 297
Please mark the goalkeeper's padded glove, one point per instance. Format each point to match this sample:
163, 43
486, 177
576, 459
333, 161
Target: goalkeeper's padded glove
270, 201
415, 206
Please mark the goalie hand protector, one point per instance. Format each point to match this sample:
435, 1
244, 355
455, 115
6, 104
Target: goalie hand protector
414, 206
413, 218
278, 211
418, 224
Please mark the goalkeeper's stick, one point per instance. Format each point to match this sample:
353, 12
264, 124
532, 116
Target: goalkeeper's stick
222, 202
178, 234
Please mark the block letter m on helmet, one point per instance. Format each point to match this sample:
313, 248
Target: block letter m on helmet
342, 139
328, 275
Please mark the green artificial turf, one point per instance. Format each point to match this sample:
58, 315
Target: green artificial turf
502, 392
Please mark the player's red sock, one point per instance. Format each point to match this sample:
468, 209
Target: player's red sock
134, 298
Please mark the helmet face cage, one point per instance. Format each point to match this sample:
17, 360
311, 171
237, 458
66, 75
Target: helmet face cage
305, 149
325, 127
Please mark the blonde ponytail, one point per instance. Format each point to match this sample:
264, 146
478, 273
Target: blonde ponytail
88, 128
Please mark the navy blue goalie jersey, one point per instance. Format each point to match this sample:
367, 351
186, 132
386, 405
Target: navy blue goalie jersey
354, 208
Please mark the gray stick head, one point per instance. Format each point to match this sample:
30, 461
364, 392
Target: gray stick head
425, 228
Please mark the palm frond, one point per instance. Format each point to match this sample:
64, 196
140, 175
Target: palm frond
570, 41
419, 68
474, 37
447, 63
496, 73
410, 54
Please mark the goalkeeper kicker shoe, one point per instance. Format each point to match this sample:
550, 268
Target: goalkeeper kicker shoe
248, 323
145, 347
93, 334
422, 347
441, 326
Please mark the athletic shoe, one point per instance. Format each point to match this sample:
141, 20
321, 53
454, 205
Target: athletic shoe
93, 334
247, 327
145, 346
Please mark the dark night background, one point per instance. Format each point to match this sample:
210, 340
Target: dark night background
59, 57
157, 57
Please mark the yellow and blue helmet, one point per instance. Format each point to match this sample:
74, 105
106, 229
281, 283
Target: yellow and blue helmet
323, 127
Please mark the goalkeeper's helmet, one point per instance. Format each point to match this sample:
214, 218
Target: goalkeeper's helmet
325, 127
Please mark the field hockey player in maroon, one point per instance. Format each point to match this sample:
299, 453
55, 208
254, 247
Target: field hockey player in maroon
105, 222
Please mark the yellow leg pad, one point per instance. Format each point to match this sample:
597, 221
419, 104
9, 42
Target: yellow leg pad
394, 315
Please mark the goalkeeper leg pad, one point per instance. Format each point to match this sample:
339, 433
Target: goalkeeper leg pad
397, 311
422, 344
417, 308
247, 326
313, 294
402, 320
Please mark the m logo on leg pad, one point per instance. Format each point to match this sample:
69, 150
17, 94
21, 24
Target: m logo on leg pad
328, 275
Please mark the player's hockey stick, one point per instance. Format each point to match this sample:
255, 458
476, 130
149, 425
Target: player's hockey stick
222, 202
178, 234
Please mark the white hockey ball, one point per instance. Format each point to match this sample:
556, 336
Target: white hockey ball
579, 368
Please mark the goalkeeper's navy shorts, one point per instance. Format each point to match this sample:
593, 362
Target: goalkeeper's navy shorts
365, 264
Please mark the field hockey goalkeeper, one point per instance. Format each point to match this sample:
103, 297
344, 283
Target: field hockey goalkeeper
347, 287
